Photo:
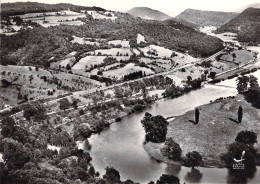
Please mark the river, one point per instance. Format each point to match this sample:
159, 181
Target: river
121, 146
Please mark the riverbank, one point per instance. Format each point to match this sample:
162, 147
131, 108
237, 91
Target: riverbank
215, 131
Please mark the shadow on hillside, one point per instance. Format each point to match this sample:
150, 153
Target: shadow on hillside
233, 120
192, 122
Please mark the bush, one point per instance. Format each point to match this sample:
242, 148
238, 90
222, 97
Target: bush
235, 151
83, 131
253, 70
118, 119
81, 112
189, 78
171, 149
215, 81
245, 72
112, 175
155, 128
35, 111
193, 159
168, 179
206, 64
139, 107
232, 76
99, 73
64, 104
247, 137
68, 67
212, 74
172, 91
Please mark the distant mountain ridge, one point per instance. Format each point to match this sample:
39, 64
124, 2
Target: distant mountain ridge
206, 18
148, 13
246, 25
254, 5
18, 8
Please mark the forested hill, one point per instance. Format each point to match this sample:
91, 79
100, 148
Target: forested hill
246, 25
148, 13
18, 8
184, 22
206, 18
36, 46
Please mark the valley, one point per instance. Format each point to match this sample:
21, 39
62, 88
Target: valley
76, 82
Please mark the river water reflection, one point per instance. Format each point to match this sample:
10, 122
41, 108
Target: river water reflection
121, 146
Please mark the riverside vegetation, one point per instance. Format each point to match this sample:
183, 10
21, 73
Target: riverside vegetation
222, 123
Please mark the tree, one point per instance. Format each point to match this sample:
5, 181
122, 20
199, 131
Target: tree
197, 115
249, 87
144, 92
171, 149
212, 74
81, 112
139, 107
82, 131
247, 137
35, 111
8, 126
240, 114
253, 83
189, 78
119, 92
99, 73
253, 93
172, 91
68, 67
15, 155
168, 179
193, 159
235, 151
155, 128
64, 104
3, 173
18, 20
75, 103
91, 171
111, 175
242, 84
195, 83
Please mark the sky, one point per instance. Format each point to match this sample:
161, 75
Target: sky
170, 7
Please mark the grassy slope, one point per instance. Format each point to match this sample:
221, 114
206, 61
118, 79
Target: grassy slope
214, 132
37, 88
